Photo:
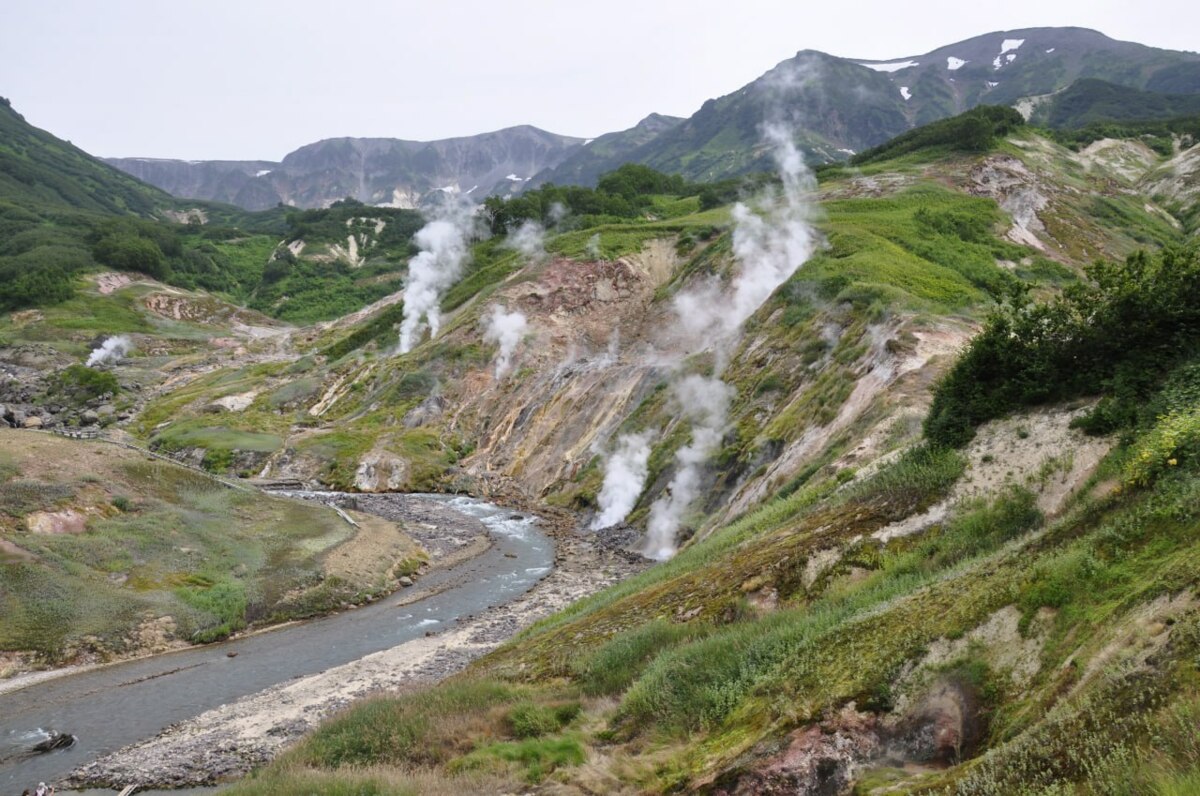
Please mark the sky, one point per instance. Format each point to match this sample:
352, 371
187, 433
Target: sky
255, 79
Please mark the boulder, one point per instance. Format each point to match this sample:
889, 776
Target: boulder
90, 416
33, 421
105, 410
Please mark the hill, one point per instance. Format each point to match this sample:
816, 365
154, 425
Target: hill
106, 553
855, 604
1091, 101
40, 170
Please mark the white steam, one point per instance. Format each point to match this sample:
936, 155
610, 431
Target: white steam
506, 329
624, 473
110, 350
529, 240
593, 247
770, 242
445, 248
704, 401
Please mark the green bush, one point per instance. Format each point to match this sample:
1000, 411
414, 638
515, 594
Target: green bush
973, 131
126, 252
1119, 335
530, 720
222, 601
79, 384
613, 667
539, 757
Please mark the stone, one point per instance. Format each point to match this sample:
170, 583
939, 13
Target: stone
33, 421
90, 416
105, 410
406, 581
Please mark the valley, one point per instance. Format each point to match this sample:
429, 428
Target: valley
833, 440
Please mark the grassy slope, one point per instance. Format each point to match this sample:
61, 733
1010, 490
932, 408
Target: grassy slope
160, 541
683, 676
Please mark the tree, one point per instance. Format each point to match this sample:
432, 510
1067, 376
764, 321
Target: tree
126, 252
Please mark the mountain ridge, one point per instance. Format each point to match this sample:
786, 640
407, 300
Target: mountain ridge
390, 172
840, 105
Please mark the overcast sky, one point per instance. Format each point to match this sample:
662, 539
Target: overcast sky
251, 79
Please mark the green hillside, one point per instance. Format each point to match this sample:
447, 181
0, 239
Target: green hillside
992, 601
945, 541
64, 213
1093, 101
38, 169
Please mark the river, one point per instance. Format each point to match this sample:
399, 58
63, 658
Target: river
112, 706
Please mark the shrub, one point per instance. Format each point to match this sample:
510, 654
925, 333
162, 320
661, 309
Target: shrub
973, 131
1174, 440
1119, 335
127, 252
615, 665
529, 720
79, 384
539, 757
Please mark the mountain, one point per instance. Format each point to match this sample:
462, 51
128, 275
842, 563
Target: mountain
597, 156
39, 169
1091, 101
842, 105
378, 171
1005, 67
838, 106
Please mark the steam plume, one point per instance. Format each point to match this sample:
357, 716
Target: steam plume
445, 249
770, 243
506, 330
593, 247
704, 401
110, 350
529, 240
624, 474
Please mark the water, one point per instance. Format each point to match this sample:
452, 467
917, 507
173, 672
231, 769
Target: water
114, 706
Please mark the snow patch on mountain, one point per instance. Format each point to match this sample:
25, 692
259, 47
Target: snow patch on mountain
953, 63
904, 92
895, 66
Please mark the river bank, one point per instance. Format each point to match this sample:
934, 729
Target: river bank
448, 537
113, 706
231, 740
